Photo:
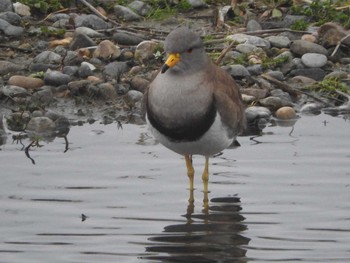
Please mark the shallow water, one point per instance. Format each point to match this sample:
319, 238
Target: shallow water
282, 196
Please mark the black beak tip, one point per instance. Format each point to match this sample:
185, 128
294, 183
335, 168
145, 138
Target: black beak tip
165, 67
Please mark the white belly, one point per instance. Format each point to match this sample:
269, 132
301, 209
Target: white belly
212, 142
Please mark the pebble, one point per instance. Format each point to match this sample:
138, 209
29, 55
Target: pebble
11, 17
127, 38
279, 41
91, 21
331, 33
146, 50
314, 60
125, 13
301, 47
114, 70
56, 78
5, 5
107, 91
197, 3
10, 30
271, 102
80, 41
25, 82
253, 25
238, 71
247, 39
47, 57
88, 32
285, 113
247, 48
107, 50
42, 97
132, 97
257, 93
140, 84
9, 67
313, 73
13, 91
140, 7
21, 9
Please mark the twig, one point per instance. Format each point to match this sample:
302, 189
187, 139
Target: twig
276, 30
224, 52
93, 9
53, 13
338, 45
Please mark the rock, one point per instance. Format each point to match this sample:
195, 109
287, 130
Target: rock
314, 60
21, 9
107, 50
276, 74
107, 91
253, 25
337, 74
330, 34
257, 119
11, 17
313, 73
88, 32
301, 47
114, 70
132, 97
140, 7
123, 88
43, 97
84, 70
271, 102
127, 38
255, 69
48, 57
10, 30
13, 91
311, 109
56, 78
247, 48
247, 39
284, 97
238, 71
5, 5
145, 50
91, 21
25, 82
302, 80
8, 67
125, 13
140, 84
197, 3
279, 41
257, 93
285, 113
81, 41
309, 37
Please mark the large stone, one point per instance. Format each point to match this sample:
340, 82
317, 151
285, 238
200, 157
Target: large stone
301, 47
314, 60
25, 82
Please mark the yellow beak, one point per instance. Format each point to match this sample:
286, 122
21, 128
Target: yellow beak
171, 61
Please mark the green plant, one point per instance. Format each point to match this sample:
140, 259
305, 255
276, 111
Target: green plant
162, 9
329, 86
43, 6
269, 63
299, 25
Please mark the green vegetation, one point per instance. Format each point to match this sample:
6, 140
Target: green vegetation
161, 9
52, 32
299, 25
329, 86
46, 6
322, 11
271, 63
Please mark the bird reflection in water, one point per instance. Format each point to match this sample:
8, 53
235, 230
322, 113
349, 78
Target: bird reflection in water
215, 235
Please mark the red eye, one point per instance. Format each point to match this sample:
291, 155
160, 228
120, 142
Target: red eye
189, 50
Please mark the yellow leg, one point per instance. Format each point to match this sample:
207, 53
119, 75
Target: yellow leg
205, 178
190, 173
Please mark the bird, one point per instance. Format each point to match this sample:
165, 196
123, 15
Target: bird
193, 106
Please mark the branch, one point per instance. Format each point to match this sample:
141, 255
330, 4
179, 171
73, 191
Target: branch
338, 45
94, 10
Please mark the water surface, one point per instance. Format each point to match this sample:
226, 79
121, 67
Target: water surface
117, 196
